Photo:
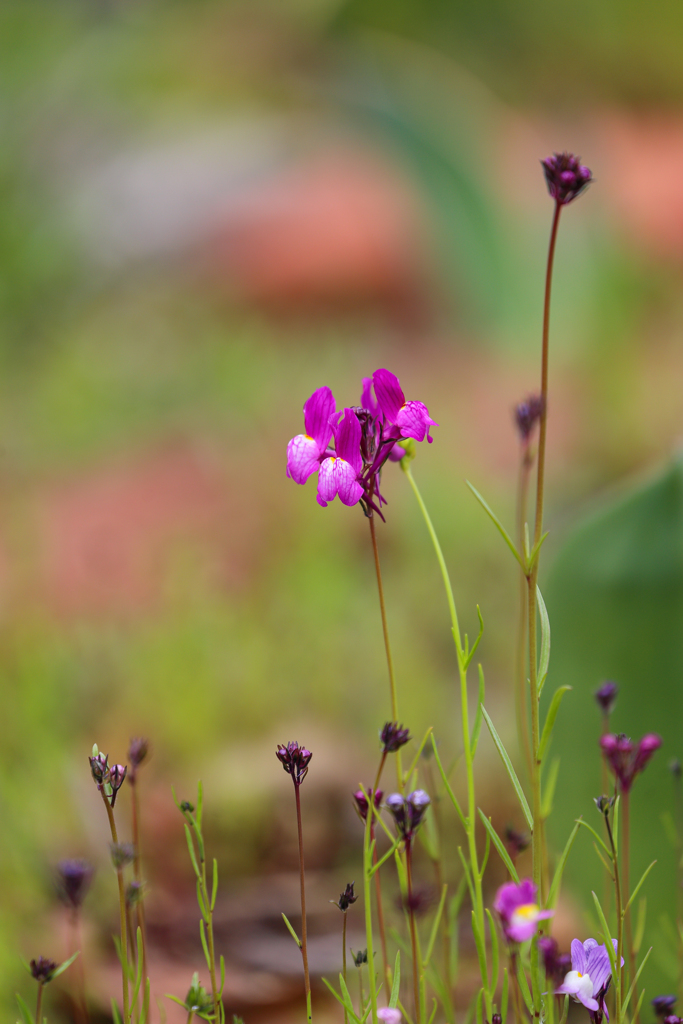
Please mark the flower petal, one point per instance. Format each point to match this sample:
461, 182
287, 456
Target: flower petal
578, 956
389, 393
317, 412
598, 966
348, 488
414, 421
327, 486
303, 458
367, 399
347, 440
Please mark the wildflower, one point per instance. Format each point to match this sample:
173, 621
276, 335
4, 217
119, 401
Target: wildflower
122, 854
99, 767
527, 414
408, 812
590, 975
604, 803
340, 472
294, 759
627, 759
138, 751
43, 970
518, 910
516, 842
389, 1015
606, 696
556, 964
306, 451
117, 775
360, 957
412, 419
346, 898
663, 1005
565, 177
198, 1001
361, 802
73, 881
393, 737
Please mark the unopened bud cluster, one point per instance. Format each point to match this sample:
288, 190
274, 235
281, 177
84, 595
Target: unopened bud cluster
408, 811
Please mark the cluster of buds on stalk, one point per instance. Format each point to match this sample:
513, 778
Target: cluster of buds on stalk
294, 759
346, 898
360, 802
43, 970
628, 759
73, 881
606, 697
393, 736
109, 779
527, 415
566, 177
408, 811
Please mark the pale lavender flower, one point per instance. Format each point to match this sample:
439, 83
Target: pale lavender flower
306, 451
412, 419
408, 811
591, 970
389, 1015
518, 910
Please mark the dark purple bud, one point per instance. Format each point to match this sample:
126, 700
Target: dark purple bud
675, 768
134, 893
663, 1005
565, 177
420, 902
516, 842
43, 969
99, 768
556, 964
527, 414
138, 752
73, 881
117, 774
361, 802
606, 696
360, 957
496, 1019
625, 759
122, 854
393, 736
346, 899
604, 803
294, 759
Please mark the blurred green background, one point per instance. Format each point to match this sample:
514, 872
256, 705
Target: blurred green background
207, 210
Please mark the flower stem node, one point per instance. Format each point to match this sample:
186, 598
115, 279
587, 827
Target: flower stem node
294, 759
566, 177
408, 812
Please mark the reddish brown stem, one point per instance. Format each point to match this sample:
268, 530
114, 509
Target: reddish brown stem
413, 933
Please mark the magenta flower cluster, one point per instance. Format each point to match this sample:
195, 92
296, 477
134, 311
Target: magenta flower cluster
348, 448
566, 177
627, 759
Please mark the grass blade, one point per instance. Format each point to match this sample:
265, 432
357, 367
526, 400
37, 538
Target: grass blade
510, 770
559, 870
497, 523
546, 735
500, 846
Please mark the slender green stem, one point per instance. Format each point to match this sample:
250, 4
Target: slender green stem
378, 883
625, 853
526, 463
413, 933
387, 645
346, 1014
367, 899
39, 1003
122, 913
304, 937
190, 1017
467, 743
438, 873
619, 980
517, 995
137, 872
360, 985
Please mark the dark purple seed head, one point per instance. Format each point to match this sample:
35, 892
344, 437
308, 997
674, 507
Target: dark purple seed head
294, 759
360, 957
361, 803
606, 696
663, 1005
516, 842
43, 969
393, 736
73, 881
346, 898
565, 177
527, 415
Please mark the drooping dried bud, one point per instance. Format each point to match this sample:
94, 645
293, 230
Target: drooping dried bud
392, 737
361, 803
294, 759
43, 969
606, 696
527, 415
565, 177
122, 854
73, 881
346, 898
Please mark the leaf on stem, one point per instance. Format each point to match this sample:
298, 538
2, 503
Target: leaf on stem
506, 994
115, 1012
454, 800
190, 846
202, 935
435, 928
393, 999
580, 821
413, 765
67, 963
523, 985
341, 1000
635, 892
510, 770
607, 935
480, 1007
640, 926
546, 735
214, 886
433, 1013
481, 950
544, 659
635, 982
26, 1015
469, 654
500, 846
291, 931
499, 526
549, 788
476, 728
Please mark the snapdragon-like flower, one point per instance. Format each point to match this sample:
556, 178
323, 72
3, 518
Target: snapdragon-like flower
408, 811
518, 910
306, 451
565, 177
411, 419
340, 472
628, 759
590, 974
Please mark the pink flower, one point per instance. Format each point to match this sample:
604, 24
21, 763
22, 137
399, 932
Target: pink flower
411, 418
306, 451
339, 472
389, 1016
518, 910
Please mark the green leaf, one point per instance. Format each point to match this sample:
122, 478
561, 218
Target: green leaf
638, 887
433, 1013
393, 999
549, 788
524, 985
200, 900
533, 554
559, 870
468, 876
580, 821
291, 931
640, 926
635, 981
607, 935
454, 799
544, 659
500, 846
510, 770
505, 996
144, 1013
494, 950
214, 887
470, 654
499, 526
200, 803
417, 755
435, 928
478, 718
202, 935
375, 867
190, 846
341, 1000
550, 720
346, 995
115, 1013
67, 963
26, 1015
479, 942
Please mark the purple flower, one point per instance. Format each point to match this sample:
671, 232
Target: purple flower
606, 696
663, 1005
117, 775
408, 811
591, 970
393, 736
42, 969
627, 759
516, 842
556, 964
306, 451
294, 759
527, 414
340, 472
518, 910
411, 418
362, 803
73, 881
389, 1016
565, 177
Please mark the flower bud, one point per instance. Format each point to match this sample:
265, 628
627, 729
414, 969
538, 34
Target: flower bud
361, 802
134, 893
122, 854
393, 736
117, 774
73, 881
663, 1005
606, 696
360, 957
565, 177
99, 768
346, 899
294, 759
527, 414
43, 969
603, 804
137, 753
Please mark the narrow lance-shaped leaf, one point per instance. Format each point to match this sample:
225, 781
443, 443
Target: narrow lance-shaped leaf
499, 526
559, 870
435, 927
546, 735
510, 770
549, 788
635, 981
544, 659
454, 799
500, 846
494, 950
67, 963
350, 1010
640, 926
635, 892
478, 718
291, 931
393, 999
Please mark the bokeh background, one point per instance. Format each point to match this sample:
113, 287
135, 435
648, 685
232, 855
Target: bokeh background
207, 210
